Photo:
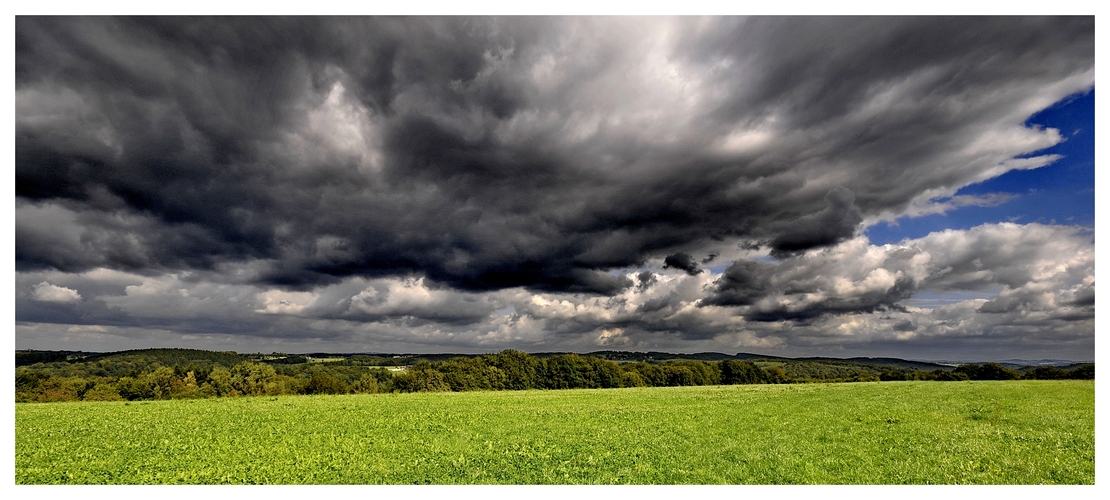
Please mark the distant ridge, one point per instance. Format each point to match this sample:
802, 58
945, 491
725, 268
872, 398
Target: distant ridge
901, 363
1042, 362
28, 357
1017, 362
168, 356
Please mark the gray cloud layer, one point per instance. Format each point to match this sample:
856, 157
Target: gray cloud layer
488, 158
1022, 285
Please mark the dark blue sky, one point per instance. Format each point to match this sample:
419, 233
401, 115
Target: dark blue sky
1060, 193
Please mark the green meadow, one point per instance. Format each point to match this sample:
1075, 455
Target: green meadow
971, 432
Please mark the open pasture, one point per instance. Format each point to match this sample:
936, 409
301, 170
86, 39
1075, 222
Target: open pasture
1013, 432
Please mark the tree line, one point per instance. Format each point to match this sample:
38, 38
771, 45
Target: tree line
158, 376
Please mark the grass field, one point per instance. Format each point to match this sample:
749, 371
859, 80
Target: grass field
1019, 432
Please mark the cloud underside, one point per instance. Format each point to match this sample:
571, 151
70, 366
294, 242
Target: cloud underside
355, 178
1017, 289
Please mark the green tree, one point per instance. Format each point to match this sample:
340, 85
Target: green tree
776, 375
220, 380
895, 374
678, 375
160, 383
521, 370
652, 375
942, 375
366, 384
702, 373
103, 392
741, 372
471, 374
250, 379
1085, 371
867, 377
631, 378
1046, 373
574, 371
53, 389
422, 377
988, 371
323, 383
568, 371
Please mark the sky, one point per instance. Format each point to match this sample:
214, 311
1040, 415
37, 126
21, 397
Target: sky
918, 187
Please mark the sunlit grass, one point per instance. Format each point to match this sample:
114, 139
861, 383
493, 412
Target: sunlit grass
1019, 432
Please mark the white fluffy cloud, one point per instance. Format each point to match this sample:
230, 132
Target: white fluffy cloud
52, 293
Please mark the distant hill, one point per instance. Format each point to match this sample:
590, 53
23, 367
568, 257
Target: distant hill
885, 362
1041, 362
175, 356
30, 357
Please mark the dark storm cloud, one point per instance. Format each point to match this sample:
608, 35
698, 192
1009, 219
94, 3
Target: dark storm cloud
682, 261
832, 225
742, 283
491, 153
867, 302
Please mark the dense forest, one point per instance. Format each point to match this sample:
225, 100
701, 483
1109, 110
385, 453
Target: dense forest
44, 376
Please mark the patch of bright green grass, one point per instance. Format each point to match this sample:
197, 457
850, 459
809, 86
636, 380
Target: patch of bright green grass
1017, 432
